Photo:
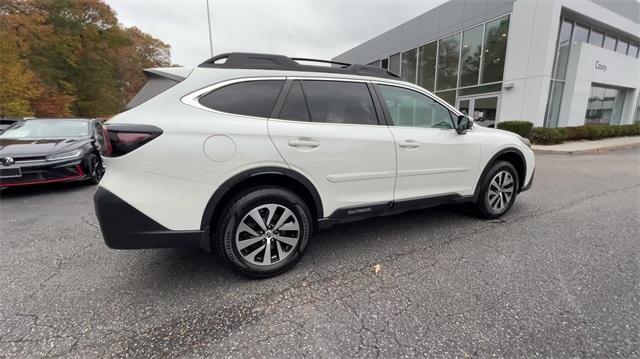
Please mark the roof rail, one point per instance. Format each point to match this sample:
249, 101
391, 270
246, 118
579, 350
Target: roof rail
245, 60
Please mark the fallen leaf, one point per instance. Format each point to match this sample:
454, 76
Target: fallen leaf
377, 268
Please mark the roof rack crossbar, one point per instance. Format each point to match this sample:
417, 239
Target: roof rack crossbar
245, 60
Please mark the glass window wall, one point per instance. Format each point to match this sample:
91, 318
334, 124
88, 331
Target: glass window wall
384, 63
580, 34
448, 53
495, 49
471, 55
610, 43
427, 65
622, 47
394, 63
409, 63
604, 106
596, 38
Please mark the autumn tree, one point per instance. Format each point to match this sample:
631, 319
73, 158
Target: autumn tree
81, 61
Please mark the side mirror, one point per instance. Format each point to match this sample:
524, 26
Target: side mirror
463, 123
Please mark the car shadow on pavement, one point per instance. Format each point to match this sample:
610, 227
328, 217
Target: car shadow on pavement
42, 189
353, 244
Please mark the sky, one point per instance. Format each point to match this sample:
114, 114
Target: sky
303, 28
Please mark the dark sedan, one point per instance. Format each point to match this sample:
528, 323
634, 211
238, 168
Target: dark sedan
38, 151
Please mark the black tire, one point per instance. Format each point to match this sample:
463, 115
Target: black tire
94, 169
230, 220
483, 206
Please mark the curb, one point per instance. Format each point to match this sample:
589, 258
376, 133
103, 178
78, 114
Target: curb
589, 151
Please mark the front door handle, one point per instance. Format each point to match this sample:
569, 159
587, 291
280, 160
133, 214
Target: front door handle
409, 144
303, 143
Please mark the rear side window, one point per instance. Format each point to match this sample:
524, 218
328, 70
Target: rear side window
340, 102
295, 106
251, 98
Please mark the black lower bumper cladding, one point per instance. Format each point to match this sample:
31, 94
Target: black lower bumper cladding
45, 174
124, 227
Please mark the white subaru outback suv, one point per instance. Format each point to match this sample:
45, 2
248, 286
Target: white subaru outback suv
249, 154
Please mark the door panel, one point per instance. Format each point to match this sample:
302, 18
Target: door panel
442, 162
330, 133
351, 165
432, 158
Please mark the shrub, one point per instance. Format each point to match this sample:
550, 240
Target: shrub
546, 136
577, 133
564, 134
522, 128
594, 132
619, 130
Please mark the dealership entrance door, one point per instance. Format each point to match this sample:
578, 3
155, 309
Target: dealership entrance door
483, 109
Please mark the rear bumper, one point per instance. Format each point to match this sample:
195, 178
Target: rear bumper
124, 227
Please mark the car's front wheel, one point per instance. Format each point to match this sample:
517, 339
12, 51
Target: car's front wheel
498, 191
95, 169
264, 231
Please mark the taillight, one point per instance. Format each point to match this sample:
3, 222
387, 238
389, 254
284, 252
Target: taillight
121, 139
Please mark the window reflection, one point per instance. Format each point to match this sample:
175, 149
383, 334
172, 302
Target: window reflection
394, 63
448, 52
495, 49
409, 65
604, 106
471, 55
427, 65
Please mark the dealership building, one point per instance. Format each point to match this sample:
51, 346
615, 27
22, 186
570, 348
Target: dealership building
555, 63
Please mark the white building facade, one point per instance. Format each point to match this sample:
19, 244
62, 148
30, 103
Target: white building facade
553, 63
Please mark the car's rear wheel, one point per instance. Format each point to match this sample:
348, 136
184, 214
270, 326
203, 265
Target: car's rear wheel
498, 192
264, 231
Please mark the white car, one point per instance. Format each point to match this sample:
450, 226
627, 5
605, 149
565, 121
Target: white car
249, 154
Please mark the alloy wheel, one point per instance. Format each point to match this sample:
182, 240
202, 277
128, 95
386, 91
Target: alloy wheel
500, 191
267, 234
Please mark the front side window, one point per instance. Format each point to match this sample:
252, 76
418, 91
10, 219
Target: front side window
251, 98
413, 109
340, 102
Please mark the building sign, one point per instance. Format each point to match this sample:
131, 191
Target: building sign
600, 66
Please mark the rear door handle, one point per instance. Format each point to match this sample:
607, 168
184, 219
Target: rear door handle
409, 144
303, 143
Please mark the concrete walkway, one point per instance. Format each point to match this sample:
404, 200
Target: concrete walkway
586, 146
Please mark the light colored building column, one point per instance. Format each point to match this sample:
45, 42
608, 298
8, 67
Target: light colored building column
533, 32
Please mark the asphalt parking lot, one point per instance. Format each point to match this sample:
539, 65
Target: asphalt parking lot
559, 276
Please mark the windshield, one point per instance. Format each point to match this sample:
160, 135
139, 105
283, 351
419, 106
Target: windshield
47, 129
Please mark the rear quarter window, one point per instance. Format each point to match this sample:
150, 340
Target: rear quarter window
251, 98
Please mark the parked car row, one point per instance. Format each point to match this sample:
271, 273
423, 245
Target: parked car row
37, 151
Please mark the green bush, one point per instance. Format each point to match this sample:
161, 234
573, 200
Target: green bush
619, 130
522, 128
577, 133
594, 132
546, 136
